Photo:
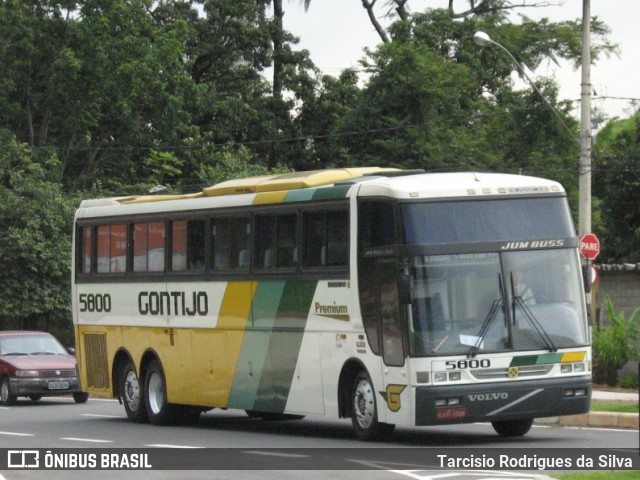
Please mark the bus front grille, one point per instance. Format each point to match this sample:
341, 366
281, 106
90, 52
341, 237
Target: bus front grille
95, 348
525, 371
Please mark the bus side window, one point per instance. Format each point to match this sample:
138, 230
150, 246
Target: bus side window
326, 238
187, 245
148, 247
86, 245
112, 248
276, 241
230, 243
376, 225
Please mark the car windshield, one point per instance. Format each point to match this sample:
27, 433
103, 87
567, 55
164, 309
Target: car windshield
481, 302
30, 345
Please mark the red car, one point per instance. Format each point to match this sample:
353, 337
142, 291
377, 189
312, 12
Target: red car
34, 365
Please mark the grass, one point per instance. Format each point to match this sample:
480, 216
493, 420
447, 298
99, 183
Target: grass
614, 407
602, 475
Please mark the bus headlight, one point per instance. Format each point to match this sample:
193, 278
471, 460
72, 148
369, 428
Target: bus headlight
573, 367
440, 377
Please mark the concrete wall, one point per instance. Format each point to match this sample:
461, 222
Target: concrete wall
623, 288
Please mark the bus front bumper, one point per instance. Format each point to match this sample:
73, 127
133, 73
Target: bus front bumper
488, 402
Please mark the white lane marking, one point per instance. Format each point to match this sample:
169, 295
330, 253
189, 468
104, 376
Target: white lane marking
600, 429
90, 440
17, 434
99, 415
276, 454
163, 445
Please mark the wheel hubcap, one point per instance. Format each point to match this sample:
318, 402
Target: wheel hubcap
364, 404
132, 391
156, 393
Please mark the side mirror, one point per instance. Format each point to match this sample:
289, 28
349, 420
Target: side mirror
405, 289
72, 351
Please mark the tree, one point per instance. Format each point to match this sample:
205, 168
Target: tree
35, 240
616, 181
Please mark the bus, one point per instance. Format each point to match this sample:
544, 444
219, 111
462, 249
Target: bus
385, 296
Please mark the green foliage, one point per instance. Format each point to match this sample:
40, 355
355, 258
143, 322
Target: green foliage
35, 239
628, 381
616, 182
614, 345
229, 163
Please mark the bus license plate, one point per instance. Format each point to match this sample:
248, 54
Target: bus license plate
58, 385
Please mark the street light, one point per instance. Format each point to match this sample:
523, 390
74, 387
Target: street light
484, 40
584, 142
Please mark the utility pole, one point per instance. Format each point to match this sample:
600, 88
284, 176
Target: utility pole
584, 169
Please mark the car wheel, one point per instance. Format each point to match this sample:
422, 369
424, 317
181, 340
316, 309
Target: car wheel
364, 413
131, 391
512, 428
35, 398
159, 411
80, 397
5, 393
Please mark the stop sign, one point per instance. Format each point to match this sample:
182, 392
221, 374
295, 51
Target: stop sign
590, 246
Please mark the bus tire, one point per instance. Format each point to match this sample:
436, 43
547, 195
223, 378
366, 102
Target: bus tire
159, 410
512, 428
364, 412
132, 397
6, 398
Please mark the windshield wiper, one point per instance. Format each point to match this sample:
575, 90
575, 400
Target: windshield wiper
531, 318
497, 304
14, 353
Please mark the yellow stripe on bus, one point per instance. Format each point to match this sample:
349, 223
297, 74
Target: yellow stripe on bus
234, 315
269, 197
573, 356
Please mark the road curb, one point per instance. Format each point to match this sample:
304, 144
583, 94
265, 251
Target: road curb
628, 421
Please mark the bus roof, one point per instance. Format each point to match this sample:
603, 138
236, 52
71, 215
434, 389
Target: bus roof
372, 181
462, 184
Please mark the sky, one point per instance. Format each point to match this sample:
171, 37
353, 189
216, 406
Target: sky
337, 31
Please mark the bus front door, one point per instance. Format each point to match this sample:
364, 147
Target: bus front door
395, 405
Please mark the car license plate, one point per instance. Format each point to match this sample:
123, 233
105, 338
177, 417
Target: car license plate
58, 385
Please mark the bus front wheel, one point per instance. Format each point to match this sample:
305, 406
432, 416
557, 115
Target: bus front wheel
159, 410
512, 428
131, 391
364, 414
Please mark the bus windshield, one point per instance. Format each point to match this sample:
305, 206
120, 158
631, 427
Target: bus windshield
496, 302
429, 223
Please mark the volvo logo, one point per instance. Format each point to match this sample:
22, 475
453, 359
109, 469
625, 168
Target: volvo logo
486, 397
58, 372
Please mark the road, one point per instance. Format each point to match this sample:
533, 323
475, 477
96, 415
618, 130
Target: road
312, 448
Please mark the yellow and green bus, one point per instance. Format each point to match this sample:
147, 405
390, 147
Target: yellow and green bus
385, 296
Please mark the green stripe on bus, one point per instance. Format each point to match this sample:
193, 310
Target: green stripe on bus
331, 193
302, 195
535, 359
254, 358
287, 337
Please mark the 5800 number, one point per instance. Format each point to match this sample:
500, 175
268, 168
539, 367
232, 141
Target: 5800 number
98, 302
463, 364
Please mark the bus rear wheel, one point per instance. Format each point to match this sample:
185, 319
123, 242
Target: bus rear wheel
159, 410
512, 428
131, 391
364, 413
